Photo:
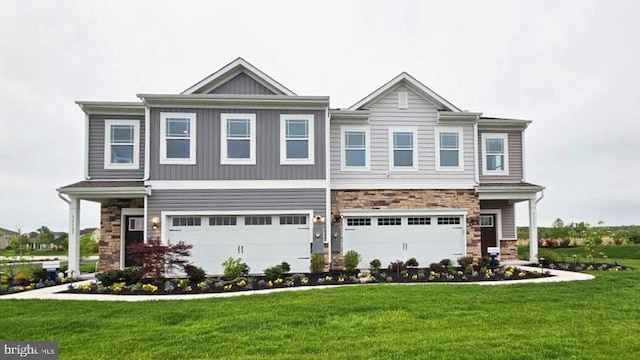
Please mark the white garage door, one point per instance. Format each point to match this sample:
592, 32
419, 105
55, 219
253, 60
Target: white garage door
261, 241
390, 238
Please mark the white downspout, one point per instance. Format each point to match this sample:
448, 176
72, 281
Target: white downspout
476, 160
328, 216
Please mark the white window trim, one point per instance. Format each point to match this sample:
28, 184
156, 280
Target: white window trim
191, 160
343, 150
310, 160
505, 139
136, 145
223, 139
414, 131
460, 132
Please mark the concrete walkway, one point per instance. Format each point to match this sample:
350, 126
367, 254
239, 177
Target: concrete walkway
53, 292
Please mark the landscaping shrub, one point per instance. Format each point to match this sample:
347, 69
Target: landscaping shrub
111, 277
465, 262
548, 256
273, 272
317, 264
435, 266
397, 266
375, 265
153, 258
445, 262
194, 273
412, 262
132, 274
484, 262
351, 261
285, 267
234, 268
39, 274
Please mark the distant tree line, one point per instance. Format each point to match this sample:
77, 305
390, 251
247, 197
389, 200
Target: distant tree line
561, 231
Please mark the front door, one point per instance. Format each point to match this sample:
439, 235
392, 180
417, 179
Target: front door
487, 232
133, 233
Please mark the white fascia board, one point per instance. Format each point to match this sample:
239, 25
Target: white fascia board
235, 184
225, 101
86, 146
327, 162
111, 107
423, 89
507, 195
337, 185
403, 212
147, 142
233, 66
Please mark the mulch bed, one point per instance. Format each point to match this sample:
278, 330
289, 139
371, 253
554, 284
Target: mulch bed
578, 267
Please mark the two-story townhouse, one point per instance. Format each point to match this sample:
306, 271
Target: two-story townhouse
240, 166
414, 176
235, 165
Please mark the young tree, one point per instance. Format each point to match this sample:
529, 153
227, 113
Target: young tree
155, 259
45, 236
88, 245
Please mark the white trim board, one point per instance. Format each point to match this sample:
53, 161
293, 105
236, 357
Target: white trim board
235, 184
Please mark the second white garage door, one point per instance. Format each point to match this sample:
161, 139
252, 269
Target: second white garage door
261, 241
390, 238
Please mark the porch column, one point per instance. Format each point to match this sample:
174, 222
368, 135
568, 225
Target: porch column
533, 230
74, 237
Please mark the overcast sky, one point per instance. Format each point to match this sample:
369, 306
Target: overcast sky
570, 66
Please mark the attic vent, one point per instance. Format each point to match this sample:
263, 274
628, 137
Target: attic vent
403, 100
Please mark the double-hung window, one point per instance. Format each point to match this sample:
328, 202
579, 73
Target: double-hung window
121, 144
495, 154
355, 147
296, 139
403, 148
238, 143
449, 149
178, 138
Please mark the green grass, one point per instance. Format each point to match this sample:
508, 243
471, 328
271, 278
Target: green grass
596, 319
613, 252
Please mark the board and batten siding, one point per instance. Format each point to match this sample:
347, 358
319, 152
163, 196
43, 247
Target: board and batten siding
508, 216
242, 84
385, 114
208, 142
271, 200
96, 149
515, 157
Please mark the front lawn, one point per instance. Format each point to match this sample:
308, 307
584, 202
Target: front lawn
597, 319
613, 252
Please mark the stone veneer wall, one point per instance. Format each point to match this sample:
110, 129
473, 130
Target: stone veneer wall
110, 223
411, 199
508, 249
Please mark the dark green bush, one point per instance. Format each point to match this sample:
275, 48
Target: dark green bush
285, 267
317, 264
375, 265
110, 277
465, 262
273, 272
397, 266
548, 256
351, 261
40, 274
195, 273
434, 266
445, 262
412, 262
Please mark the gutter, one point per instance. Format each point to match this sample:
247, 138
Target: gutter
62, 197
541, 196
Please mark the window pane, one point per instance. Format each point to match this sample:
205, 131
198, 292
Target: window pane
238, 149
122, 134
449, 158
495, 162
238, 128
122, 154
178, 148
297, 129
403, 158
403, 140
297, 149
355, 139
178, 127
495, 146
448, 140
356, 157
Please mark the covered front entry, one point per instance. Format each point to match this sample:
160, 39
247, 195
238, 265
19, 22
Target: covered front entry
260, 240
391, 237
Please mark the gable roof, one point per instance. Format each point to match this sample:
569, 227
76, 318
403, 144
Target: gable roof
8, 232
411, 82
232, 69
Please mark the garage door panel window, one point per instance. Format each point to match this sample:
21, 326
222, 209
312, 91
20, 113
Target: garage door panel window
444, 220
187, 221
257, 220
359, 222
223, 221
293, 220
389, 221
419, 221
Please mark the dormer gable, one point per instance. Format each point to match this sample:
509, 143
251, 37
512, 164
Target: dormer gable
239, 77
404, 79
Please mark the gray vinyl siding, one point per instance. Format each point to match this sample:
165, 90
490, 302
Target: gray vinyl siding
242, 84
96, 149
508, 216
236, 200
515, 158
208, 166
384, 114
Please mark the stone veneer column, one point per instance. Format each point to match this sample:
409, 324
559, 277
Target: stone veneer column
508, 250
412, 199
109, 246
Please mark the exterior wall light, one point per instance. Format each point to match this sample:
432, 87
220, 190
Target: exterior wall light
155, 223
318, 219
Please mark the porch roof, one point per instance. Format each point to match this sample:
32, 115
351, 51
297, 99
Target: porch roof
508, 191
92, 189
